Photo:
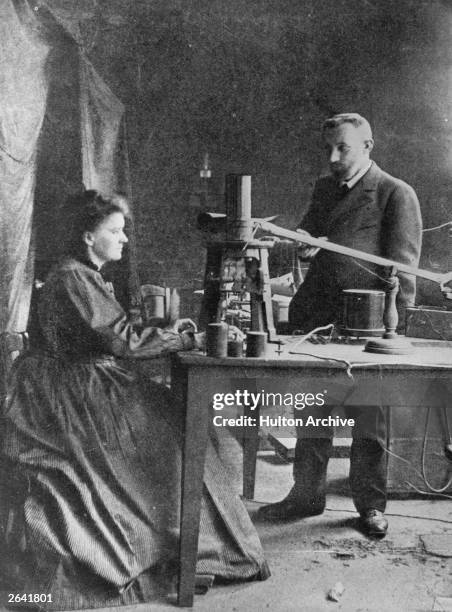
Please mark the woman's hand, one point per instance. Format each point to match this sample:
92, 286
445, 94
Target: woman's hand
198, 340
182, 325
234, 333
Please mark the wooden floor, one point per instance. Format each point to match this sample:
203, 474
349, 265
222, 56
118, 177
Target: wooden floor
307, 558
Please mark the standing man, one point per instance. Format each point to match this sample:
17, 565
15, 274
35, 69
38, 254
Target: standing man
362, 207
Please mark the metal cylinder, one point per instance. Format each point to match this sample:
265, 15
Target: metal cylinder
238, 207
256, 343
363, 312
217, 339
235, 348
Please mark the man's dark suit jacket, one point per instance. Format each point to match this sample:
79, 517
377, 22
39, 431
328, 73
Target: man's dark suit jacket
379, 215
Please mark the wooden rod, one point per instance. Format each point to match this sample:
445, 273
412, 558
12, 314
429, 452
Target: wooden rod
275, 230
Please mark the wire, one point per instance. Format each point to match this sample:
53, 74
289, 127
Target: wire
330, 327
410, 484
437, 227
421, 474
428, 319
346, 510
360, 265
424, 518
348, 365
424, 449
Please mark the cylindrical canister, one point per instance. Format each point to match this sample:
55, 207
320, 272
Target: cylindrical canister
363, 312
217, 339
256, 343
154, 300
235, 348
238, 207
280, 306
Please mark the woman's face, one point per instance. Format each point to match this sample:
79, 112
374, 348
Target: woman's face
105, 243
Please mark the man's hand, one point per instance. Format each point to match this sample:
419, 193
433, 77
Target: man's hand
308, 252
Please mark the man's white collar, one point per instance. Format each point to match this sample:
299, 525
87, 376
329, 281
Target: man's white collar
354, 179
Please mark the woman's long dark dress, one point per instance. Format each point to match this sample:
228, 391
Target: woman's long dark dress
92, 456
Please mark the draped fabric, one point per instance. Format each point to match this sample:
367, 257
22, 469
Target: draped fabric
23, 92
25, 72
105, 164
101, 114
105, 161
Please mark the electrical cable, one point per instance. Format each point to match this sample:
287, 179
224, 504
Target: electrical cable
346, 510
330, 327
419, 474
410, 484
423, 518
437, 227
424, 449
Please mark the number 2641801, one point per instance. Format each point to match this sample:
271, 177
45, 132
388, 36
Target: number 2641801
29, 597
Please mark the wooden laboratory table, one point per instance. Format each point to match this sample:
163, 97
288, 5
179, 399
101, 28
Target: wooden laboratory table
344, 373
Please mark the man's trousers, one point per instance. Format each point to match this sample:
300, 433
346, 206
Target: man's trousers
367, 457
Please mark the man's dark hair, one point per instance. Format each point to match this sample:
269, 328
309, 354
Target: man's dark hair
354, 119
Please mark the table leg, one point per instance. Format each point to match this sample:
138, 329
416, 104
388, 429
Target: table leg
250, 448
193, 458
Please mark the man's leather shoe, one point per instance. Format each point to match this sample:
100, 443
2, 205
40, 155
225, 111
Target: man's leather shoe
290, 508
374, 523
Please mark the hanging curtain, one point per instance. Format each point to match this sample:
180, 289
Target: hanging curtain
23, 92
101, 116
105, 161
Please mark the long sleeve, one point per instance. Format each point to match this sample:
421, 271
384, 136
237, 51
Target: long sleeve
80, 317
316, 219
402, 237
122, 341
309, 223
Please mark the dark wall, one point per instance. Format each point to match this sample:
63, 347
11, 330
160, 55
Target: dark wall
250, 82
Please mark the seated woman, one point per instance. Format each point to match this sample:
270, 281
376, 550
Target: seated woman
92, 448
